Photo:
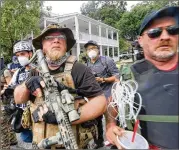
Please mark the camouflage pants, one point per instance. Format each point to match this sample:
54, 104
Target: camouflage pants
8, 136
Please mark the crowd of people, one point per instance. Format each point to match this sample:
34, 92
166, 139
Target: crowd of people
26, 111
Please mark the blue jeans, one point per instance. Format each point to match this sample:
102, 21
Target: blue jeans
26, 136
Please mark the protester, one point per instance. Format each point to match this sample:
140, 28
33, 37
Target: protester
157, 76
55, 42
23, 51
105, 72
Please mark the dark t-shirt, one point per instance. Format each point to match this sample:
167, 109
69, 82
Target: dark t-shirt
83, 79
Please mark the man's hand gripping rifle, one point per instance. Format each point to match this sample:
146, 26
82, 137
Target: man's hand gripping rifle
60, 105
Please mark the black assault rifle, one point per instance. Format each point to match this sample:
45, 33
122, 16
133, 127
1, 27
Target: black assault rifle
63, 108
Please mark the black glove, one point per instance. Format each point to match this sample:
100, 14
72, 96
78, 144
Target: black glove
9, 91
33, 83
49, 117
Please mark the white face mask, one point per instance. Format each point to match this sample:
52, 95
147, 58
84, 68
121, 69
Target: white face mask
92, 54
23, 60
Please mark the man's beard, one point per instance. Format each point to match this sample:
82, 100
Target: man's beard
163, 55
54, 54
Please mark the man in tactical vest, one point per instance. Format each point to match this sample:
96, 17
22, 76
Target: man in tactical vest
23, 51
55, 41
157, 76
105, 72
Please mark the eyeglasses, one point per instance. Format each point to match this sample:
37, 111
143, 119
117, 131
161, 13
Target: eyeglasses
156, 32
59, 37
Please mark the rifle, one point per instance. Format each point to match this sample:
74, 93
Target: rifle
61, 107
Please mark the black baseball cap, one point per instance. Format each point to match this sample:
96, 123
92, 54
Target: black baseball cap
91, 42
172, 11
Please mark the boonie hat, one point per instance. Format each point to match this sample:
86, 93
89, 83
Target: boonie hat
37, 42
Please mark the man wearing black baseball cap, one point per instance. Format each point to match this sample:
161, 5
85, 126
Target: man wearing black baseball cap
157, 77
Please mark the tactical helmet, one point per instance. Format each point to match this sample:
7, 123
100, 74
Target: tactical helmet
37, 42
22, 46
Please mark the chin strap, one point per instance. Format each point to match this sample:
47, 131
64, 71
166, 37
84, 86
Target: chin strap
58, 62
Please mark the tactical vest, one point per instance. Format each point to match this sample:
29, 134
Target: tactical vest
43, 130
158, 117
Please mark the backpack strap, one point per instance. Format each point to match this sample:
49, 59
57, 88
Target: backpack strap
19, 71
103, 60
69, 63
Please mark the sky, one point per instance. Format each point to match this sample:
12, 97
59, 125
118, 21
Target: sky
65, 7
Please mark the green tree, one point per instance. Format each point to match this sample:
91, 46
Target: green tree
130, 21
108, 12
18, 19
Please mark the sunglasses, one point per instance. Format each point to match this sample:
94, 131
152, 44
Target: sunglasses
59, 37
156, 32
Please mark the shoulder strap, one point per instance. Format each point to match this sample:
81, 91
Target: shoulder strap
159, 118
19, 71
103, 60
69, 63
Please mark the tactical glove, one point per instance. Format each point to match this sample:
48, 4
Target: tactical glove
33, 83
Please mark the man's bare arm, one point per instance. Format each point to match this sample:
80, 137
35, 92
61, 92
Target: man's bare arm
21, 94
92, 109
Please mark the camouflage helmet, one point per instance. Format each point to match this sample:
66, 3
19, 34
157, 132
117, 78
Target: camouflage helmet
22, 46
37, 42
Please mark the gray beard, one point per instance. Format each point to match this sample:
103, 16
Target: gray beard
56, 63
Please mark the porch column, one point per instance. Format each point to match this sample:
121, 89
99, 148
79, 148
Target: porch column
100, 34
89, 27
78, 50
112, 35
45, 23
107, 50
107, 34
101, 50
77, 37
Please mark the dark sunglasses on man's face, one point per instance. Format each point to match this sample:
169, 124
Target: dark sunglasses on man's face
156, 32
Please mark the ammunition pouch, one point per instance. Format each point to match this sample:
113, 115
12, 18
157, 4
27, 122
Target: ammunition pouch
26, 121
87, 132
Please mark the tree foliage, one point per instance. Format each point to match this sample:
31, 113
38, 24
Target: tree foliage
18, 19
130, 21
108, 12
114, 13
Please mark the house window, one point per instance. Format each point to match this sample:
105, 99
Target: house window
115, 36
116, 51
105, 52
